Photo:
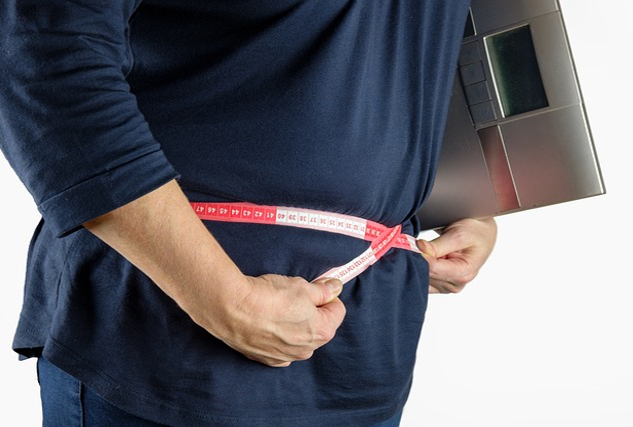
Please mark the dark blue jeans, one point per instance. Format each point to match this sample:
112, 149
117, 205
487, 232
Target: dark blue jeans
66, 402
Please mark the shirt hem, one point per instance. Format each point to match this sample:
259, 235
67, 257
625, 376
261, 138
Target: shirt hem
161, 412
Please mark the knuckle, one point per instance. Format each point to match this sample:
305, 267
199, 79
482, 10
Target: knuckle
278, 364
303, 339
468, 277
298, 340
297, 281
455, 289
310, 339
461, 237
325, 335
304, 355
343, 312
472, 222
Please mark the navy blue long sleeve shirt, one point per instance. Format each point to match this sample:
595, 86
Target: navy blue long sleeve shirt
332, 105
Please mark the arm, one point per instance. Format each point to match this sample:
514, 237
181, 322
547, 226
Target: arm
271, 319
72, 131
457, 255
70, 126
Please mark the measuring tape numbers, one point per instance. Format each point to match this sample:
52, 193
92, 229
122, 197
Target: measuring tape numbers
382, 238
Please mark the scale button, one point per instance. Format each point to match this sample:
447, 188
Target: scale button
483, 113
469, 53
478, 92
472, 73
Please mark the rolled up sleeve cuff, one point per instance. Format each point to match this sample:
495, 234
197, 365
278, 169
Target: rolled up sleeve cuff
68, 210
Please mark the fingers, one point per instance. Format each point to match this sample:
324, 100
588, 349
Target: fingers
332, 315
325, 290
453, 238
449, 272
323, 329
442, 287
460, 235
285, 319
457, 255
458, 269
268, 361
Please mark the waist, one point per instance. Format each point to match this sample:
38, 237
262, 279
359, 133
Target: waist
381, 237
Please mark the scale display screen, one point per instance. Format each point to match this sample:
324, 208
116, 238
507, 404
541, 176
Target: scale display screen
516, 71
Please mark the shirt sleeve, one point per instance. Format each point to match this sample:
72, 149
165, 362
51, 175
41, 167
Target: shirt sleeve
69, 125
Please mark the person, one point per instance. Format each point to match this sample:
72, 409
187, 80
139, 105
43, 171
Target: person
118, 115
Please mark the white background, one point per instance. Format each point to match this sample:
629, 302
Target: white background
541, 338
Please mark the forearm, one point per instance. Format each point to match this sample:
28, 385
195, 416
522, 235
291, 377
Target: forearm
161, 235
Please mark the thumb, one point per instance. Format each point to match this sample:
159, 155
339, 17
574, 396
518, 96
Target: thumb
325, 290
443, 245
427, 248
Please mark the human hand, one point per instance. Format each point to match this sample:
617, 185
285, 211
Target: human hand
457, 255
280, 319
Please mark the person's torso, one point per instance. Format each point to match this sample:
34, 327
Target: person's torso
332, 105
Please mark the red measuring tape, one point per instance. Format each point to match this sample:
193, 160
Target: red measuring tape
382, 238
